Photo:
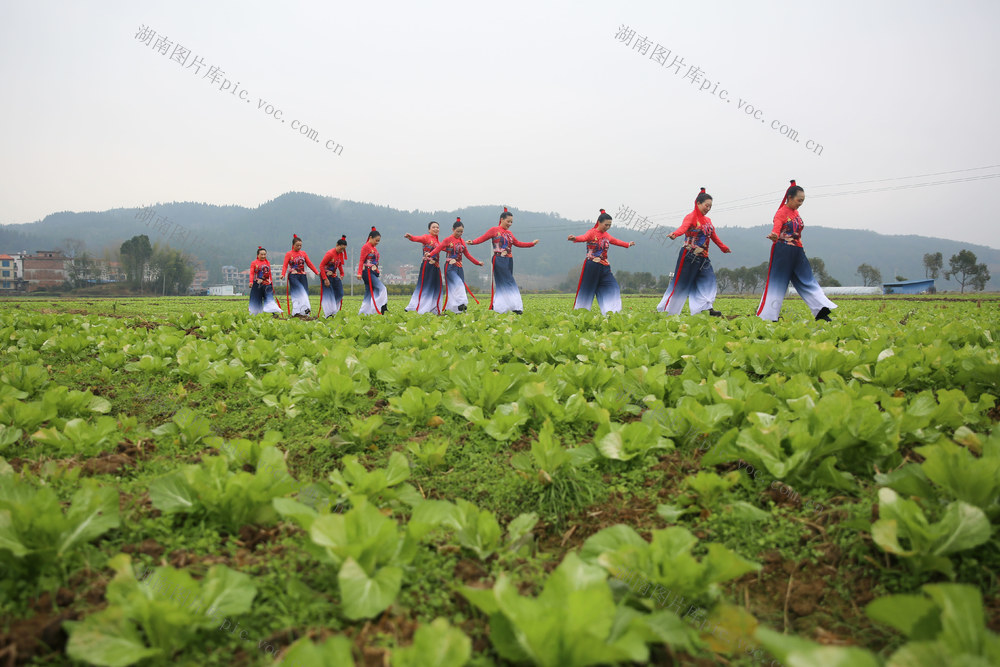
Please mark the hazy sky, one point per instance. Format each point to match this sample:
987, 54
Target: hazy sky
537, 105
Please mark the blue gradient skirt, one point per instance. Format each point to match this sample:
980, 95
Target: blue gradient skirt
331, 298
298, 294
506, 296
596, 280
694, 281
456, 300
788, 263
427, 294
262, 300
376, 296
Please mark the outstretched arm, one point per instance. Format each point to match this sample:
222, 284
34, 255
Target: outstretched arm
284, 266
490, 233
439, 247
583, 238
722, 246
618, 242
472, 259
688, 221
522, 244
779, 221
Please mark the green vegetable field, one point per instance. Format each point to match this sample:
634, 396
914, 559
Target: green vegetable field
183, 484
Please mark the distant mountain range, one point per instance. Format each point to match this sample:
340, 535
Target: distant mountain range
229, 235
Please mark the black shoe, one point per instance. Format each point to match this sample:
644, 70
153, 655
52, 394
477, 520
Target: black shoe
385, 308
823, 314
519, 312
462, 308
714, 313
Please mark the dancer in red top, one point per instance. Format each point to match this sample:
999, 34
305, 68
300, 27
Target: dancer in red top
788, 263
297, 289
454, 247
694, 278
376, 297
504, 293
262, 299
596, 278
332, 298
427, 294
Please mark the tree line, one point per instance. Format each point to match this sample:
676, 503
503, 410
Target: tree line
158, 268
962, 267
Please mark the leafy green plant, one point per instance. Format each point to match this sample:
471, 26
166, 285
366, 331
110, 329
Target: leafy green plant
72, 403
21, 381
143, 622
573, 622
945, 626
542, 402
624, 442
25, 415
437, 644
186, 427
476, 530
36, 534
272, 383
480, 385
80, 438
430, 453
667, 560
334, 382
382, 487
417, 405
150, 364
425, 369
962, 526
229, 498
334, 652
8, 436
505, 423
240, 451
369, 552
953, 471
555, 473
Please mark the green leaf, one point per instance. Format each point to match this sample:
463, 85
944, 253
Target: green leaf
436, 644
93, 512
172, 493
111, 639
334, 652
796, 652
963, 624
573, 622
625, 442
366, 597
913, 615
672, 513
961, 527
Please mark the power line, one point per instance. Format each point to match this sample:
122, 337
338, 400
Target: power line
909, 186
770, 196
903, 178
